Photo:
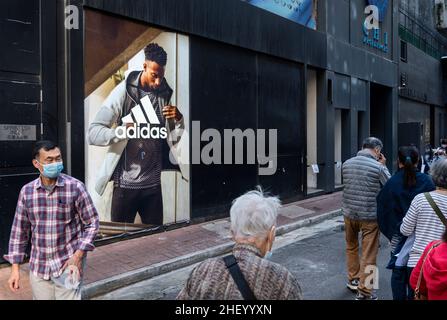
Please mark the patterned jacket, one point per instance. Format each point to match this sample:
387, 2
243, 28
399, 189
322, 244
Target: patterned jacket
211, 279
363, 177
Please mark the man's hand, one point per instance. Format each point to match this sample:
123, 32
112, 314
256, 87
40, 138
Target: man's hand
172, 112
14, 278
382, 159
75, 260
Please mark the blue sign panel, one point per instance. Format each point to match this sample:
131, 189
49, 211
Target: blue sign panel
300, 11
383, 7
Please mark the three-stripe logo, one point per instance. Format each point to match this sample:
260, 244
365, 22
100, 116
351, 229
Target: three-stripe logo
142, 114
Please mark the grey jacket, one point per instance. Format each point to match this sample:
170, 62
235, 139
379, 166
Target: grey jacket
363, 177
101, 131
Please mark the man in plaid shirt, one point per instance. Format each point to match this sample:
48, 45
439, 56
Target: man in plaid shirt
57, 214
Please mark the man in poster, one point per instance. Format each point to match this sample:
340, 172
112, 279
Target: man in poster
135, 164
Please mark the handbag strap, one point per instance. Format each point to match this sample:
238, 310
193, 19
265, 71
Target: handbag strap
416, 290
436, 208
238, 277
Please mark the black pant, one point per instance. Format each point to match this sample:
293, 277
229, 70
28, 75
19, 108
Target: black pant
147, 202
400, 283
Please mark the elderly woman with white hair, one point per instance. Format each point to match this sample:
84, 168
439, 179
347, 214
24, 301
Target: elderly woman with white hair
246, 274
426, 217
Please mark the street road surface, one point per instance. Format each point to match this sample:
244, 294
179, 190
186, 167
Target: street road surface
315, 255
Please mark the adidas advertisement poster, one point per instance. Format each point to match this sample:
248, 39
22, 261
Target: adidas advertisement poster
137, 118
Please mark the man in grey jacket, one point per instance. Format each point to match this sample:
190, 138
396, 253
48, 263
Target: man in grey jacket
139, 104
363, 177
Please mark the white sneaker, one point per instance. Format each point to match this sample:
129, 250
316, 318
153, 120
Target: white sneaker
353, 284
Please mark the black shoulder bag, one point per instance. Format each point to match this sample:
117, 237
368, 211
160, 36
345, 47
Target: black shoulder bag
238, 277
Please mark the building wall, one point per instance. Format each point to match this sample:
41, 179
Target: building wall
28, 97
421, 81
411, 111
347, 53
421, 8
267, 48
353, 67
423, 77
228, 21
346, 66
232, 24
344, 23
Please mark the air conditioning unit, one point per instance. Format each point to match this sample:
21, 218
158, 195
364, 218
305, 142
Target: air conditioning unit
441, 16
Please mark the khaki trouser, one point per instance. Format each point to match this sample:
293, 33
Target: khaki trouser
362, 268
49, 290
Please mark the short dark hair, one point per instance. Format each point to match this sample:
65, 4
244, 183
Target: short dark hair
47, 145
153, 52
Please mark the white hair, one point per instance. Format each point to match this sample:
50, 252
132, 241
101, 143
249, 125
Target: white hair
254, 214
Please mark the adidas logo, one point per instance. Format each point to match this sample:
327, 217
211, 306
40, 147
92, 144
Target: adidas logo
143, 114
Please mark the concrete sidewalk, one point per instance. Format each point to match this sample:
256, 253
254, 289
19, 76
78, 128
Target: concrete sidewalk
123, 263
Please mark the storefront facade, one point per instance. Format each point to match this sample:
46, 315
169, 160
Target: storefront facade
316, 76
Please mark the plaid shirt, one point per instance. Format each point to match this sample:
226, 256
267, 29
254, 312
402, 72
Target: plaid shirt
59, 223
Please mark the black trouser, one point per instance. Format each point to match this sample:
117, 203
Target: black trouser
400, 283
147, 202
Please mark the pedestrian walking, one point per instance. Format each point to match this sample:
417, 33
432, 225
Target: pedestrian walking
363, 177
247, 273
57, 214
426, 215
429, 277
393, 202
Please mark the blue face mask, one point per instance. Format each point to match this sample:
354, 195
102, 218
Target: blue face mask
52, 170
